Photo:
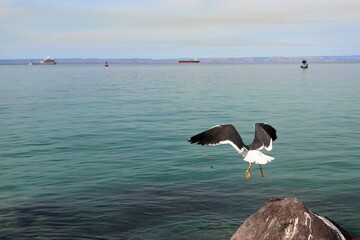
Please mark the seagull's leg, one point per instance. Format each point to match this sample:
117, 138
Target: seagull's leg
261, 171
247, 173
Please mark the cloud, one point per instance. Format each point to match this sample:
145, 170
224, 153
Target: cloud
194, 13
193, 23
6, 11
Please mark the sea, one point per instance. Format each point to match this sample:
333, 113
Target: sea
89, 152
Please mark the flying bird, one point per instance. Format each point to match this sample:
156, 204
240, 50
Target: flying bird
227, 134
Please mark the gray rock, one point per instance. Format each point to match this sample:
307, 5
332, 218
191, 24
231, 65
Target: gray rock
288, 219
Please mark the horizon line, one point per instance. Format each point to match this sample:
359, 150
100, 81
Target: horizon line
140, 58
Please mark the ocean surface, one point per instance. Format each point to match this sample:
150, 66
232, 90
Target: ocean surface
88, 152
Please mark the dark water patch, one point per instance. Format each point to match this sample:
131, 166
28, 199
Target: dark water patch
121, 214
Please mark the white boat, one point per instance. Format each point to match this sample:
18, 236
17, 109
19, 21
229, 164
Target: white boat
46, 61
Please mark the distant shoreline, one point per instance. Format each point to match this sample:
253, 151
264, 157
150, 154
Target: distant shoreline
310, 59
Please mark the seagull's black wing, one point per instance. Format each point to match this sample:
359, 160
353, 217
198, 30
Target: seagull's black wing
264, 136
220, 134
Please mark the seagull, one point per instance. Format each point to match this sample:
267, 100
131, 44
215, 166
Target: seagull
227, 134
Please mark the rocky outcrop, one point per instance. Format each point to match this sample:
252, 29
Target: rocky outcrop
289, 219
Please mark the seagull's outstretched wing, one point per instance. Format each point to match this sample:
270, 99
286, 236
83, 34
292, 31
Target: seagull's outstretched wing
264, 136
220, 134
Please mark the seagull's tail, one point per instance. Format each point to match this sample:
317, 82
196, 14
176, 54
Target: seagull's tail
255, 156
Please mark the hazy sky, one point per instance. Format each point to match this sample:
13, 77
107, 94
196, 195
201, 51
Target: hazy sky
178, 28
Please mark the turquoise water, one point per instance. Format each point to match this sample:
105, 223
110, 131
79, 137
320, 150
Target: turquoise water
88, 152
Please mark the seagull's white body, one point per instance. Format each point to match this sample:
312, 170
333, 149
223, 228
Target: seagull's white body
255, 156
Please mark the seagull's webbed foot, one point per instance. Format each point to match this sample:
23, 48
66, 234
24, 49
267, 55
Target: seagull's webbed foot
247, 173
261, 172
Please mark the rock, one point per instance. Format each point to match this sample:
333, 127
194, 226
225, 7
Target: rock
289, 219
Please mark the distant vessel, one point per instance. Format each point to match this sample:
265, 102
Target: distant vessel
106, 64
195, 60
46, 61
304, 64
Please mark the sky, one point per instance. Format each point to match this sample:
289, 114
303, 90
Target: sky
162, 29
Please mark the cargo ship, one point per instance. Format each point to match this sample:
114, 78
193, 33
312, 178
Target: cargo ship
195, 60
46, 61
